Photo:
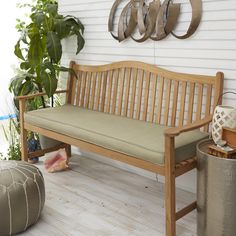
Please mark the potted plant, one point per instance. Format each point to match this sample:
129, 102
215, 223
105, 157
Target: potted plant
12, 136
39, 50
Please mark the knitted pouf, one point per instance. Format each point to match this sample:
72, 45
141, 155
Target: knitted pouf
22, 196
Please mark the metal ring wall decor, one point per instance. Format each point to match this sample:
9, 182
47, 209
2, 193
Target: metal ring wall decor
155, 20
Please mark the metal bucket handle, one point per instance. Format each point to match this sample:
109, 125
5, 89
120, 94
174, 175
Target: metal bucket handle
220, 97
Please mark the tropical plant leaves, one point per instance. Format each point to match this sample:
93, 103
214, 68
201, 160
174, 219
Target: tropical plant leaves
48, 24
38, 18
80, 42
62, 28
40, 49
49, 83
66, 69
36, 50
54, 47
49, 68
18, 51
77, 28
32, 30
74, 22
26, 87
25, 65
16, 84
52, 8
22, 84
23, 37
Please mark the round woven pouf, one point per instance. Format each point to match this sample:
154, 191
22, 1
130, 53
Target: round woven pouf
22, 196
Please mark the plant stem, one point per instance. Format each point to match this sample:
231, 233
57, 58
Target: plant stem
52, 98
52, 101
42, 98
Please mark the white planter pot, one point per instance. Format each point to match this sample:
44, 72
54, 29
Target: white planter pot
224, 116
46, 142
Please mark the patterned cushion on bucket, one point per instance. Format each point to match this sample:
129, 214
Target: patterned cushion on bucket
22, 196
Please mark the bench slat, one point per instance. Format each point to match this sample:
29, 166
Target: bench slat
109, 91
153, 98
167, 101
182, 103
121, 90
208, 103
133, 93
93, 90
88, 89
104, 87
175, 103
83, 87
139, 98
127, 91
160, 99
190, 103
199, 102
73, 91
98, 91
78, 88
114, 98
146, 96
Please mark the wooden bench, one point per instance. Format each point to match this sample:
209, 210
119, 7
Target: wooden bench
133, 94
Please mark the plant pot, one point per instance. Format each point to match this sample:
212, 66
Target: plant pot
46, 142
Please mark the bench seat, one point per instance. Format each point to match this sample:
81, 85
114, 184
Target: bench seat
136, 138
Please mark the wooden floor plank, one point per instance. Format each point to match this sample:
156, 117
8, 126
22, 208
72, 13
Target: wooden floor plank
97, 199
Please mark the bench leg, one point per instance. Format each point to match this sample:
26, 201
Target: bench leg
170, 199
24, 147
23, 133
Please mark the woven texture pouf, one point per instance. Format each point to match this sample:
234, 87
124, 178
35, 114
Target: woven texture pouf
22, 196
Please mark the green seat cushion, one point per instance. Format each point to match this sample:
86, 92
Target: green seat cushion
136, 138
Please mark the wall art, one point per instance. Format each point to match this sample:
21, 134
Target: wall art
154, 20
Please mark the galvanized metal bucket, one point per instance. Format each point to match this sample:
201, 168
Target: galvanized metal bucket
216, 194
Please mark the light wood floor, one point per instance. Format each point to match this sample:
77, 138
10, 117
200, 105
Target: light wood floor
100, 200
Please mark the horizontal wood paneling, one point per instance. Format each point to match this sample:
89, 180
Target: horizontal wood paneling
210, 49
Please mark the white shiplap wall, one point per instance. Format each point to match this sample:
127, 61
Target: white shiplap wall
212, 48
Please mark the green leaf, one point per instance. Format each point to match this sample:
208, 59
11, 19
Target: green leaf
38, 18
52, 8
48, 65
18, 51
26, 88
80, 42
16, 85
78, 29
62, 28
48, 24
25, 65
32, 30
54, 47
23, 37
66, 69
75, 22
49, 83
36, 50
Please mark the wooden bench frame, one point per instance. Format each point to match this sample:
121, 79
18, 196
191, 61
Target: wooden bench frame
104, 77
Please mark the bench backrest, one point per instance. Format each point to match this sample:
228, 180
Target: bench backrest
145, 92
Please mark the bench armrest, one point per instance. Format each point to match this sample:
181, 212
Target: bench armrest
30, 96
175, 131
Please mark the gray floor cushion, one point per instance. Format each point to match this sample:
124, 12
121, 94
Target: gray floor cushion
22, 196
